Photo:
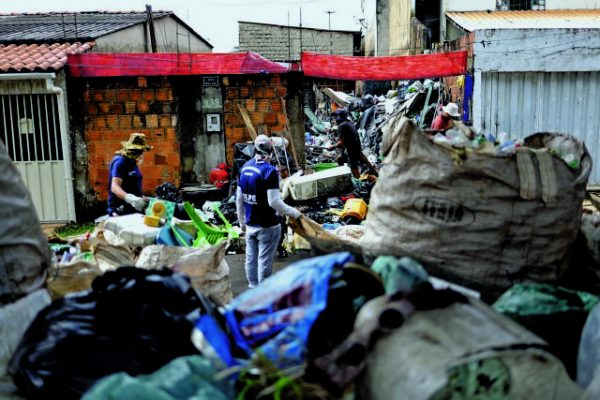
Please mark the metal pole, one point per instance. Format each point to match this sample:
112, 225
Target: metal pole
329, 12
300, 33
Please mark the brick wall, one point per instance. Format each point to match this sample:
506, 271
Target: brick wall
116, 107
282, 43
262, 98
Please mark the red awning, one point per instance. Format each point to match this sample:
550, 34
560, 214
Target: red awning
153, 64
384, 68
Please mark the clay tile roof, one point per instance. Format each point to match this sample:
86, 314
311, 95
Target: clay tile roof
38, 57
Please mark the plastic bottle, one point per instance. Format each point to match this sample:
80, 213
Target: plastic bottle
571, 161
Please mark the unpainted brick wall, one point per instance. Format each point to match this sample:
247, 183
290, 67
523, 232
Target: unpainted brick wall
262, 96
116, 107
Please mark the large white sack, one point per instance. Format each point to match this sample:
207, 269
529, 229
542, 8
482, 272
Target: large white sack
482, 220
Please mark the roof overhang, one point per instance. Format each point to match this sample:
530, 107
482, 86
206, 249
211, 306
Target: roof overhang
530, 19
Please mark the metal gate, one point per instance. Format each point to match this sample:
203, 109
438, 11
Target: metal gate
522, 103
31, 131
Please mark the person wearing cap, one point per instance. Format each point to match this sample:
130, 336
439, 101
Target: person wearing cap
125, 178
258, 204
444, 120
368, 110
349, 141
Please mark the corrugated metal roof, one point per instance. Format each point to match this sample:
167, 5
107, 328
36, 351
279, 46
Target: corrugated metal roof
38, 57
49, 27
549, 19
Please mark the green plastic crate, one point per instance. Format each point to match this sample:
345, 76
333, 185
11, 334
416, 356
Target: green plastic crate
324, 166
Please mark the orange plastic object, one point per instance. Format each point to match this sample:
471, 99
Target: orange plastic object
158, 209
354, 210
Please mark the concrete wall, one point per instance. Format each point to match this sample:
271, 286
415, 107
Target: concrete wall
447, 32
452, 31
524, 50
468, 5
383, 27
391, 28
369, 15
400, 29
572, 4
137, 39
280, 43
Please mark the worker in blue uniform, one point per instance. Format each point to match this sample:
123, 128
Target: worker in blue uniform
258, 203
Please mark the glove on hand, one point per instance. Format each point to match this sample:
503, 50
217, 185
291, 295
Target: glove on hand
136, 202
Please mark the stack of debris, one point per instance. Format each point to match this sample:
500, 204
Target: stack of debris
337, 325
420, 100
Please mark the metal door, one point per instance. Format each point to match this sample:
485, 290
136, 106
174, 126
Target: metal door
30, 129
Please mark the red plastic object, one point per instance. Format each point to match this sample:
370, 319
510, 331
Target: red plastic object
219, 176
158, 64
384, 68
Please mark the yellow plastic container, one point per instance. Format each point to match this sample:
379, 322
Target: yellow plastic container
158, 210
355, 211
152, 220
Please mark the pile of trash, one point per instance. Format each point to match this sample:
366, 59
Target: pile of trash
420, 100
100, 316
322, 328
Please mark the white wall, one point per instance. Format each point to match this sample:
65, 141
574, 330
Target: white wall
136, 39
525, 50
572, 4
369, 14
461, 5
468, 5
482, 5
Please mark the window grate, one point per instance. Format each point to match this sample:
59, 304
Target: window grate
515, 5
29, 127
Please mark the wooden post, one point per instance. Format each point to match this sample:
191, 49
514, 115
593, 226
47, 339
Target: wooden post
294, 117
287, 127
151, 25
247, 121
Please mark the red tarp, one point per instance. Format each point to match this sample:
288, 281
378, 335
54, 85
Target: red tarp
153, 64
384, 68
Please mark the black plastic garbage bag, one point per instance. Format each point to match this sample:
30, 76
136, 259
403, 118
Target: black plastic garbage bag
132, 321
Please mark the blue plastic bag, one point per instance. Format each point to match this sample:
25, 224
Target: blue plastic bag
276, 317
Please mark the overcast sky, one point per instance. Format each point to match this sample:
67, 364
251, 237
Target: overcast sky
216, 20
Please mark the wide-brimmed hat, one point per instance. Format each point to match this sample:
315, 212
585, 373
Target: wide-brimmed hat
137, 141
451, 109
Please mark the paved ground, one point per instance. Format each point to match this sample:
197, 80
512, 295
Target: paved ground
238, 274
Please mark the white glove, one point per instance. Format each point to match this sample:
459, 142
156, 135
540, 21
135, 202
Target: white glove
136, 202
